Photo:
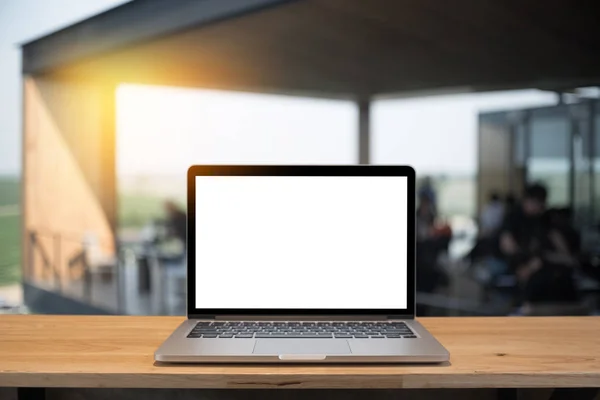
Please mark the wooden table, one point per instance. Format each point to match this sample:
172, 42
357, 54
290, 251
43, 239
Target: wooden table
117, 352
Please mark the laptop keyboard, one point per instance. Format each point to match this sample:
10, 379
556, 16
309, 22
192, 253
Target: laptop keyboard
296, 330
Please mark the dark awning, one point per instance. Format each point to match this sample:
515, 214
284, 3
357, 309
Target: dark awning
333, 48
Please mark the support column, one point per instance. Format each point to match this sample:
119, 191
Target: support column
364, 130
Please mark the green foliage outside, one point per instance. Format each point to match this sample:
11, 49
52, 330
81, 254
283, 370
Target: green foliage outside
10, 190
10, 231
138, 209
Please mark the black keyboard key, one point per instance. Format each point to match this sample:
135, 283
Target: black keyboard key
377, 337
342, 336
410, 337
226, 335
361, 336
212, 335
393, 336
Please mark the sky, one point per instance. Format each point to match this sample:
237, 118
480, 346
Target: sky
181, 126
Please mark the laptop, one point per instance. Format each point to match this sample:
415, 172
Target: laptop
301, 264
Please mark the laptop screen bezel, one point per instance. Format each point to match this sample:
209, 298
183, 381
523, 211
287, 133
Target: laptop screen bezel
307, 170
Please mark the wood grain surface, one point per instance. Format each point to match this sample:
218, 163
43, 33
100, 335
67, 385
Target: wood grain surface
117, 352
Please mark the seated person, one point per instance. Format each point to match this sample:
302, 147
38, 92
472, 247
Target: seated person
491, 217
176, 226
425, 218
537, 251
560, 220
432, 240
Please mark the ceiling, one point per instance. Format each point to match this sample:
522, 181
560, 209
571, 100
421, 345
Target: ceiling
350, 48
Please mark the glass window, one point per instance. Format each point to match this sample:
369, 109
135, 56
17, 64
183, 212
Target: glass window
549, 161
596, 162
518, 169
582, 200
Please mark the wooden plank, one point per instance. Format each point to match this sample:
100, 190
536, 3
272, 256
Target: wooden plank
118, 352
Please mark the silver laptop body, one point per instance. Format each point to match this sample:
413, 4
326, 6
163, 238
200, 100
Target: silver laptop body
301, 264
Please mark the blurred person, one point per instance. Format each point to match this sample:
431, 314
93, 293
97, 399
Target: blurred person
561, 220
432, 242
176, 221
427, 191
492, 216
523, 229
491, 220
537, 251
510, 204
426, 216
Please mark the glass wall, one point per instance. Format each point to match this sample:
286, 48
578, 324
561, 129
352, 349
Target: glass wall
521, 147
549, 158
494, 150
595, 127
582, 164
557, 146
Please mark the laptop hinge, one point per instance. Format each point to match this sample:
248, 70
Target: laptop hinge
200, 316
401, 316
300, 317
271, 317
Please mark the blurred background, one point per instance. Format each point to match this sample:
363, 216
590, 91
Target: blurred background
105, 104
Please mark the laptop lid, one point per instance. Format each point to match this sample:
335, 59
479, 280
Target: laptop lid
301, 241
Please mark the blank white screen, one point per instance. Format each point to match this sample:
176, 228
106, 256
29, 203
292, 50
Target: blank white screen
301, 242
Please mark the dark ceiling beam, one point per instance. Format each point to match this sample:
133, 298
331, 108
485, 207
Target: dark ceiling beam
131, 23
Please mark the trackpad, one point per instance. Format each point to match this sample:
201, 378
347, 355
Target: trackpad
301, 346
